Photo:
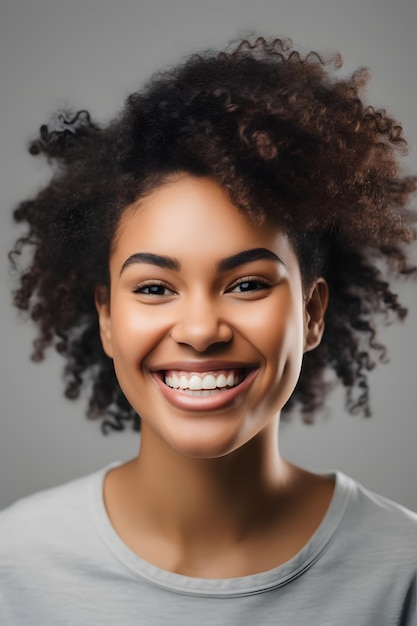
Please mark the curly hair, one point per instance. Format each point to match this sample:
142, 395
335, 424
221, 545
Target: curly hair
290, 142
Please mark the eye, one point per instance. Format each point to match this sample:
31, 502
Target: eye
249, 284
153, 288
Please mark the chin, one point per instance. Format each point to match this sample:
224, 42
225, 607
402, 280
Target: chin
205, 442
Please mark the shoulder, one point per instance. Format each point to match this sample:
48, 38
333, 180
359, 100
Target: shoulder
380, 511
46, 521
44, 503
379, 528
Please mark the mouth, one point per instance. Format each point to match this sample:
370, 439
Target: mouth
198, 390
202, 384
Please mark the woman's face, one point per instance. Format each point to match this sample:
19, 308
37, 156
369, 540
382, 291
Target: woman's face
206, 321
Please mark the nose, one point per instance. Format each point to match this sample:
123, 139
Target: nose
200, 324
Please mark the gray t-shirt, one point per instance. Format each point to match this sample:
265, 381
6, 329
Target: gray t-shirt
61, 562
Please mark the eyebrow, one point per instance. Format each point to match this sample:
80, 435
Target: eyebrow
224, 265
159, 260
247, 256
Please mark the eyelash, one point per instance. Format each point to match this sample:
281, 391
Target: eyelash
147, 284
261, 283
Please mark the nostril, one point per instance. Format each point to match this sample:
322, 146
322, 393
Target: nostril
201, 336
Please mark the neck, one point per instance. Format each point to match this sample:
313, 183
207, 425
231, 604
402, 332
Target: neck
217, 517
184, 496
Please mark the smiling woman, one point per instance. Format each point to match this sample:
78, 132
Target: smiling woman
213, 295
237, 218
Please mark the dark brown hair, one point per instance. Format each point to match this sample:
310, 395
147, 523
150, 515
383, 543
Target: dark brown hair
289, 141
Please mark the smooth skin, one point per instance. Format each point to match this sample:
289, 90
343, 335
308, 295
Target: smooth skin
197, 288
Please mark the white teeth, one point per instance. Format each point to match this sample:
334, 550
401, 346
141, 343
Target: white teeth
200, 392
230, 380
183, 382
221, 381
205, 383
195, 382
209, 382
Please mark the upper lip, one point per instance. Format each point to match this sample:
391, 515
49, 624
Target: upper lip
203, 366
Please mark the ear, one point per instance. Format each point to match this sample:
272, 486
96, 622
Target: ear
102, 301
315, 308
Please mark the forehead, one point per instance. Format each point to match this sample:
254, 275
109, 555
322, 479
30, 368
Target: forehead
188, 217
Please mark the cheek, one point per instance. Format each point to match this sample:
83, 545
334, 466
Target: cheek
282, 347
134, 332
277, 330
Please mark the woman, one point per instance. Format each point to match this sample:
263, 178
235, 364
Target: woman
187, 258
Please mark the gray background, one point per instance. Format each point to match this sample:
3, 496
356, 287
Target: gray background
91, 54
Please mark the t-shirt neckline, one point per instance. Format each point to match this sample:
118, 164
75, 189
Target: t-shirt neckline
222, 587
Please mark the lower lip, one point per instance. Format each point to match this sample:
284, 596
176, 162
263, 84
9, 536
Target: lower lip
220, 400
